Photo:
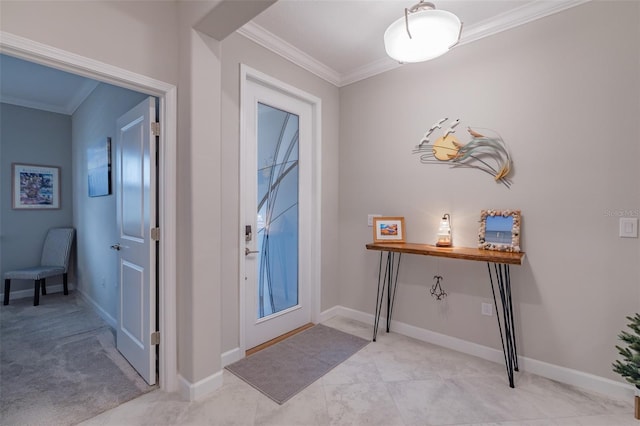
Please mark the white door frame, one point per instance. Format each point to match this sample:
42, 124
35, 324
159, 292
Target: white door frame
249, 74
56, 58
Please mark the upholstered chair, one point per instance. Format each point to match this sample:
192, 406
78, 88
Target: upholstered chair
54, 261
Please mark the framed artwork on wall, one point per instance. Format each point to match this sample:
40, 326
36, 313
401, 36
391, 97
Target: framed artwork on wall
388, 229
99, 169
35, 187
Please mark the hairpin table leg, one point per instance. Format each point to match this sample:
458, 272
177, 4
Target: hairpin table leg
389, 281
506, 326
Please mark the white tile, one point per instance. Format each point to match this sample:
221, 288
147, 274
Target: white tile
154, 408
606, 420
361, 404
504, 403
306, 408
235, 403
558, 400
438, 402
542, 422
359, 368
394, 381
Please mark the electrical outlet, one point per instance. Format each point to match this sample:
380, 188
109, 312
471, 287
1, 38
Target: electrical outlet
370, 218
487, 309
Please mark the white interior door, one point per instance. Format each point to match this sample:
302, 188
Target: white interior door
136, 212
277, 198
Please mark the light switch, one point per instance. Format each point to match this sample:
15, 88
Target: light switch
629, 227
370, 218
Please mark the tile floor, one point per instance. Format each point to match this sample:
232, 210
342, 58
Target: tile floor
394, 381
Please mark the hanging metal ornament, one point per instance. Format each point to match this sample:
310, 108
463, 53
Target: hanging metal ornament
436, 290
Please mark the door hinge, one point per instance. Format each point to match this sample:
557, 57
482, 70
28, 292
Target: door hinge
155, 129
155, 338
155, 234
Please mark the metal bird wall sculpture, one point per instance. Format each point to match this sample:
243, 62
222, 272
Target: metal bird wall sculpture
489, 154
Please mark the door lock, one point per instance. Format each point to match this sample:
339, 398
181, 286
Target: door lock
247, 233
116, 247
247, 252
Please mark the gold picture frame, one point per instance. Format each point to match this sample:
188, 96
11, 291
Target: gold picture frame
500, 230
388, 229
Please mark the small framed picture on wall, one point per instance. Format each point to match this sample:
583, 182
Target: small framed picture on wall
35, 187
99, 169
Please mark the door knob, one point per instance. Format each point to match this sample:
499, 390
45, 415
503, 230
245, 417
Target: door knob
247, 252
116, 247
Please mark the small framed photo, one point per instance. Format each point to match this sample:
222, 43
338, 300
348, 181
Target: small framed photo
35, 187
388, 229
500, 230
99, 169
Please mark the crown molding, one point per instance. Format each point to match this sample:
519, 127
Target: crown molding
264, 38
516, 17
34, 105
369, 70
78, 97
503, 22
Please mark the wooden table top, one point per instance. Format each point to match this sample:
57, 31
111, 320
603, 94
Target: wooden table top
465, 253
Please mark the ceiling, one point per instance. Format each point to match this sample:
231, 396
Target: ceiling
340, 41
31, 85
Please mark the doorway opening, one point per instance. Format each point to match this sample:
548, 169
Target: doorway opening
166, 93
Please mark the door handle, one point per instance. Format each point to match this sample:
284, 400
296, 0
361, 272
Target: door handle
247, 252
116, 247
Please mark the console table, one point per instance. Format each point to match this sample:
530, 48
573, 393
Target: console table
497, 263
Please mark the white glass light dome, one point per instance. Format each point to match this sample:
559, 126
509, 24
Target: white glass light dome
433, 33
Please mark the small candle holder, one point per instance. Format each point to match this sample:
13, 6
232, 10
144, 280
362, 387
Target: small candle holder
444, 232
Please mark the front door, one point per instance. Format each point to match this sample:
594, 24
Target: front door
277, 198
136, 216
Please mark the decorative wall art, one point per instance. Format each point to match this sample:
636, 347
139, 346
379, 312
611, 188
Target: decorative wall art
35, 187
499, 230
487, 153
388, 229
99, 169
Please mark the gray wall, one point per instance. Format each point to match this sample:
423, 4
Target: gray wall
95, 217
33, 137
564, 93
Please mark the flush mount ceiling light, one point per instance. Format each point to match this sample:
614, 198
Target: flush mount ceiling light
423, 33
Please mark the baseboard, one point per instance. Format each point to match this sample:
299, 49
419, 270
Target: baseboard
565, 375
231, 356
21, 294
201, 389
332, 312
577, 378
99, 310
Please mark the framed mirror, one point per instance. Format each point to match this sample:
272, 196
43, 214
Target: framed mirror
499, 230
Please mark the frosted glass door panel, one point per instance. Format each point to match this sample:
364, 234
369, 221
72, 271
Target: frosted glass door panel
277, 219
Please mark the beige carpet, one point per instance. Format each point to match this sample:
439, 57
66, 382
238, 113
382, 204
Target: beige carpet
284, 369
59, 364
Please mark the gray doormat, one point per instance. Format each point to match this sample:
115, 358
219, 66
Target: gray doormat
284, 369
59, 364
